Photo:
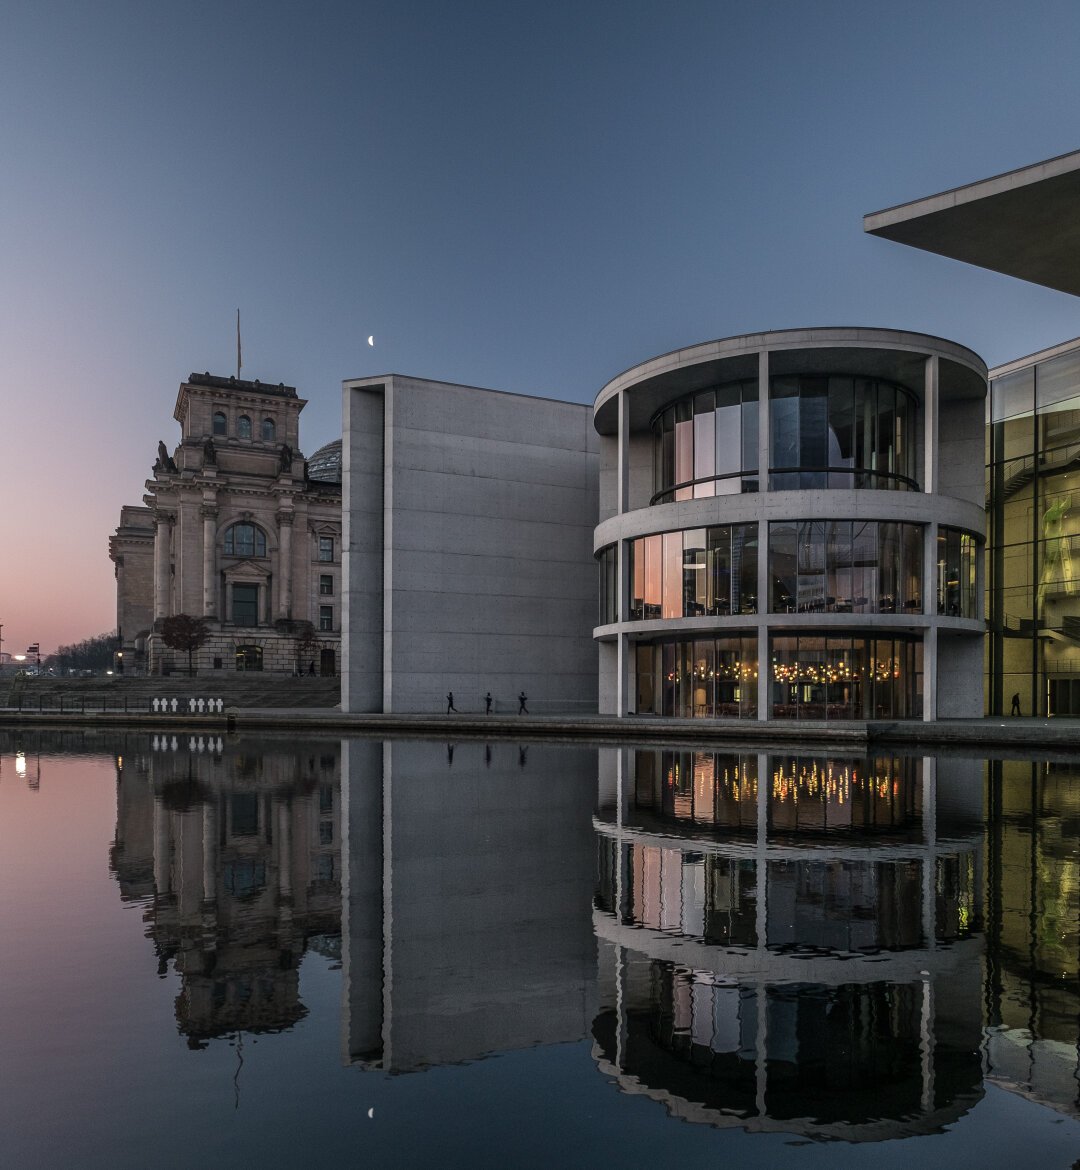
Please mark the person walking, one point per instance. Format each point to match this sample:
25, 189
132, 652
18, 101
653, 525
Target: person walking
1015, 704
522, 709
487, 703
450, 703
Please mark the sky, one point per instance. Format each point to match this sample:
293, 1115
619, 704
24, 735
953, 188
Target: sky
520, 195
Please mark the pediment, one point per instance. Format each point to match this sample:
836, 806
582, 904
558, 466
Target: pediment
247, 571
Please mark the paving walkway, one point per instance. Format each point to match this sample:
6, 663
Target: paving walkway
1020, 733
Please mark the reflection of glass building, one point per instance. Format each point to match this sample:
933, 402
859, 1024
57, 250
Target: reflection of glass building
791, 943
791, 527
1033, 473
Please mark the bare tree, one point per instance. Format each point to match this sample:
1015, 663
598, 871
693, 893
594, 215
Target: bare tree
181, 631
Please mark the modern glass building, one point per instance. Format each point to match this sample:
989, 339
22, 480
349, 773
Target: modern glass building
1033, 526
791, 527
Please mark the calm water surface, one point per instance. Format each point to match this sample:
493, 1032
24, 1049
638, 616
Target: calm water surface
392, 954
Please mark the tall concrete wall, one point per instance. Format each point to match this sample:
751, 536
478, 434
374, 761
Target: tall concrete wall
362, 544
488, 579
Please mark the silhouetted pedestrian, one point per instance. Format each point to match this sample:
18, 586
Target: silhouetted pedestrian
1015, 704
311, 668
522, 709
487, 703
450, 703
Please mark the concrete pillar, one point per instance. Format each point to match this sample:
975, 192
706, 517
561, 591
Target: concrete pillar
930, 638
930, 426
209, 573
285, 525
162, 563
764, 453
622, 502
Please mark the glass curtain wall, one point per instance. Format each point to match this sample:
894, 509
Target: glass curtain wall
846, 566
956, 592
845, 676
841, 432
706, 445
694, 572
1033, 567
609, 585
700, 678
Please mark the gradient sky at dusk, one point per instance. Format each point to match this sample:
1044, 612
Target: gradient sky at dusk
528, 196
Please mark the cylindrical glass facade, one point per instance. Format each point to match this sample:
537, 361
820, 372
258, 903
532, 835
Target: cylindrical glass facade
713, 677
706, 445
836, 431
694, 572
845, 676
957, 595
845, 566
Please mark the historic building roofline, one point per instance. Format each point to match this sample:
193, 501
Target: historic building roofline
219, 382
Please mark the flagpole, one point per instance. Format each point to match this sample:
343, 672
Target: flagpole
239, 364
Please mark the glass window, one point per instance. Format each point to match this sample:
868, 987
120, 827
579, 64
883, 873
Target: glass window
326, 548
704, 445
245, 605
654, 582
783, 566
956, 595
609, 592
249, 658
243, 427
728, 438
326, 585
1056, 380
695, 577
684, 449
699, 678
672, 575
269, 430
245, 540
326, 617
221, 425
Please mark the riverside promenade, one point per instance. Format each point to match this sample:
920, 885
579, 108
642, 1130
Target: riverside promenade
988, 735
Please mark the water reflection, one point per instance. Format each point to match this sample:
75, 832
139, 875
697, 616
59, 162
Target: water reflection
831, 946
236, 855
466, 929
840, 947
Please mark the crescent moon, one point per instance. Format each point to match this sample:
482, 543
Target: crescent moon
371, 339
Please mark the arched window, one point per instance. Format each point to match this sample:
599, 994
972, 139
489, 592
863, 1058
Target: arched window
221, 423
268, 430
245, 540
243, 427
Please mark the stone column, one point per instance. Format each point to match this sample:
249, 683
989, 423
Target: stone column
285, 526
209, 564
162, 563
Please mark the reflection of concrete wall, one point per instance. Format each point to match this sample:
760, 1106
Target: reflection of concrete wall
362, 899
487, 877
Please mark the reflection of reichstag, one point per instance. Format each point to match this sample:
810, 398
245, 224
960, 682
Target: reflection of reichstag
467, 924
236, 856
812, 945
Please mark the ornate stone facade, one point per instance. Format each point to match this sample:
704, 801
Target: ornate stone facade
237, 529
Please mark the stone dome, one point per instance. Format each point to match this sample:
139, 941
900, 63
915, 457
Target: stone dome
325, 464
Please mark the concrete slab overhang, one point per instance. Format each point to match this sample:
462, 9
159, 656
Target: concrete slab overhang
893, 354
1024, 223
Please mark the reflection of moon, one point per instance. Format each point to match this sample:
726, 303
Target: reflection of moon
371, 339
